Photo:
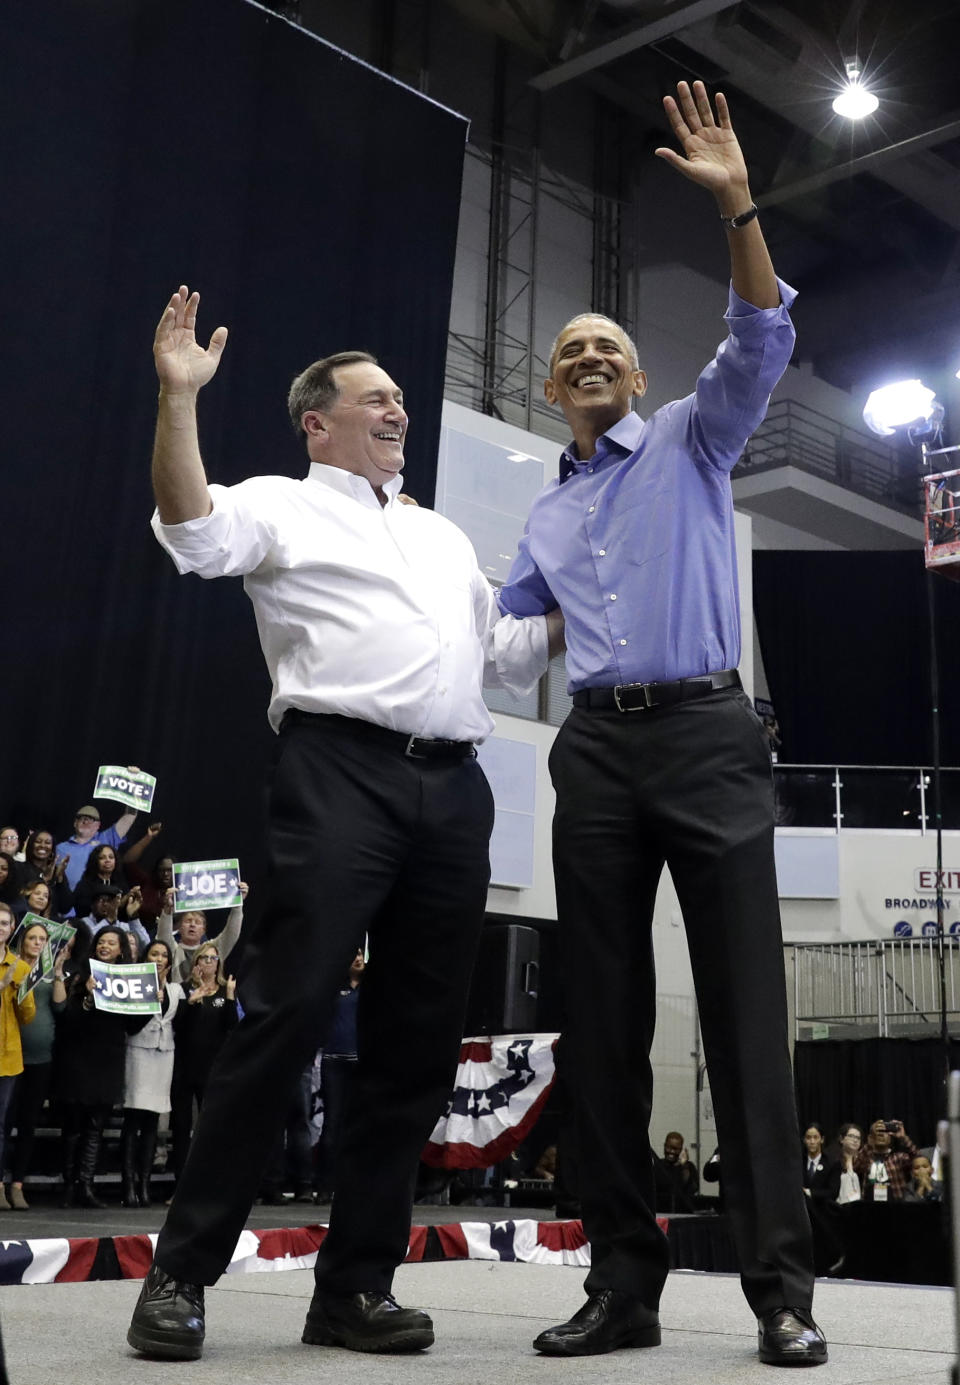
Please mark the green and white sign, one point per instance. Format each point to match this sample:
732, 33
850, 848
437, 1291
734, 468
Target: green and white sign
125, 990
58, 934
206, 885
41, 969
133, 787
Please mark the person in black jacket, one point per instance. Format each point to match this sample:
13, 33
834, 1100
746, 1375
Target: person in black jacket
821, 1174
202, 1024
89, 1063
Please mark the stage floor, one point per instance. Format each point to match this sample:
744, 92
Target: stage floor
486, 1314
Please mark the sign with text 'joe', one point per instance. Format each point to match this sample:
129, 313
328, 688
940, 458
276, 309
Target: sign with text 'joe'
206, 885
125, 990
132, 787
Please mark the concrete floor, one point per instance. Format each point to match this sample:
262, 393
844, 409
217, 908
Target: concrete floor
486, 1314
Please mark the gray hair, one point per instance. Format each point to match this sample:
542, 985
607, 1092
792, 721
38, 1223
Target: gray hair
316, 387
596, 317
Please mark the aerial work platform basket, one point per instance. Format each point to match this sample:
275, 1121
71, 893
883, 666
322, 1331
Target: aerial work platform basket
941, 522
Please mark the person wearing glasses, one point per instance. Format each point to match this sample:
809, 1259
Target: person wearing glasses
88, 833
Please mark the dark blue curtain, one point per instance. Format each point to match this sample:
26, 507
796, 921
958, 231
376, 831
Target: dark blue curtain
314, 203
845, 642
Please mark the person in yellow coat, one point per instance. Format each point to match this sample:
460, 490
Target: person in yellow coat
13, 1013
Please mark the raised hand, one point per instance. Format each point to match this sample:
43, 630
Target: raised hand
183, 365
711, 152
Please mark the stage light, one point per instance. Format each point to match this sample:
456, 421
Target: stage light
855, 101
893, 406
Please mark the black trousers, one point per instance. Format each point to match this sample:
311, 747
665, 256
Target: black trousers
689, 785
361, 839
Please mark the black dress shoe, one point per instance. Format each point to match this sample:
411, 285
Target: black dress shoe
790, 1337
608, 1320
168, 1318
366, 1322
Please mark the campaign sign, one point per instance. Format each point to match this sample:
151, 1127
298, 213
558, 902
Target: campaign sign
206, 885
130, 990
135, 788
41, 969
58, 934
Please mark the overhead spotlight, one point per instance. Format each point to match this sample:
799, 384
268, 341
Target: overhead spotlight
897, 405
855, 101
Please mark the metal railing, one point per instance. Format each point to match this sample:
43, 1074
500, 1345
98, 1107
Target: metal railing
876, 797
794, 435
883, 988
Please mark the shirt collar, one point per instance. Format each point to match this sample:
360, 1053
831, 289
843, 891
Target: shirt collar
623, 438
347, 483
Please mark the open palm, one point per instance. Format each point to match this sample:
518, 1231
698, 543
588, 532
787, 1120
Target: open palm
183, 365
711, 152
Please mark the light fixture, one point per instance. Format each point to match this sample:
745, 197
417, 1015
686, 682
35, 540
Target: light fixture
855, 101
894, 406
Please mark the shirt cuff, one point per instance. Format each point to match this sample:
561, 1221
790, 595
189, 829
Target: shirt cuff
193, 543
739, 308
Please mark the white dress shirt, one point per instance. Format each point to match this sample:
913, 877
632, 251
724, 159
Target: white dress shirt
375, 612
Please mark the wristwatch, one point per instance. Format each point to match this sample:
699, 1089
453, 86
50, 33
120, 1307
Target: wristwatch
733, 223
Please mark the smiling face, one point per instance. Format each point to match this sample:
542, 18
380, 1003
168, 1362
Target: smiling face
673, 1148
9, 840
41, 849
157, 953
107, 947
6, 925
363, 431
593, 374
106, 860
39, 897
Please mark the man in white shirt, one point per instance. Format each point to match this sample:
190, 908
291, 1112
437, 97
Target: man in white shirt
378, 630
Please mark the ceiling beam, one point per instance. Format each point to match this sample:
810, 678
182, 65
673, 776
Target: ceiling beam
678, 18
866, 163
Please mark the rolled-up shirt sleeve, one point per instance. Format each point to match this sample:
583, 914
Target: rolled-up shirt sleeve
236, 537
515, 651
733, 391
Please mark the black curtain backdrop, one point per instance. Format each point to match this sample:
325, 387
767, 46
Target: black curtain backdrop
863, 1080
314, 203
845, 645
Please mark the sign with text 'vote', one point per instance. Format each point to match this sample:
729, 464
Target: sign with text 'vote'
132, 787
125, 990
206, 885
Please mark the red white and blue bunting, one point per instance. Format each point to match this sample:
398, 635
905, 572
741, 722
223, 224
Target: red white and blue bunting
501, 1087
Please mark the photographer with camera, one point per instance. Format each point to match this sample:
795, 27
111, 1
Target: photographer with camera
885, 1162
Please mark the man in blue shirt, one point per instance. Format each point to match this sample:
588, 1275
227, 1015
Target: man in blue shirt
87, 833
663, 759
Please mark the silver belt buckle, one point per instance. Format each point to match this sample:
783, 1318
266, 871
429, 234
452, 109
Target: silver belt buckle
626, 687
409, 750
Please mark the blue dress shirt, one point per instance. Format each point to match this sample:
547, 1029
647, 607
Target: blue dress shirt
636, 544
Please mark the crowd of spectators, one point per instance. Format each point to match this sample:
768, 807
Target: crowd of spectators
84, 1064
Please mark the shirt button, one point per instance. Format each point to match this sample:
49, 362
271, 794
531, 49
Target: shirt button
591, 509
623, 641
589, 470
602, 553
613, 596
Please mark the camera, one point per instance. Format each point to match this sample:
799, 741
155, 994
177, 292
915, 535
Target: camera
891, 1127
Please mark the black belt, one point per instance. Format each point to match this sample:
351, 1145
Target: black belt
641, 697
417, 747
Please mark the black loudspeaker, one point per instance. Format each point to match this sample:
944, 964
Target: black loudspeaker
506, 981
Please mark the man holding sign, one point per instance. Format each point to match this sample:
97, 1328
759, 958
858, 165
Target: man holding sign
378, 629
87, 834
